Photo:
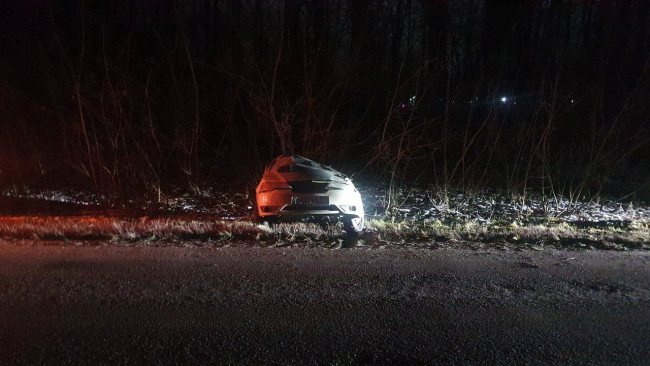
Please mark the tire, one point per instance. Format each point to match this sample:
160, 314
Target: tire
353, 225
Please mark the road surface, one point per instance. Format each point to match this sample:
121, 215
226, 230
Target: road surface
63, 304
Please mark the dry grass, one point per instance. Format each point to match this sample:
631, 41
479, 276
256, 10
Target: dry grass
126, 229
145, 229
307, 229
634, 236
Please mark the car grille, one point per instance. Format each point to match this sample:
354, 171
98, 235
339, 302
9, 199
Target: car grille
309, 186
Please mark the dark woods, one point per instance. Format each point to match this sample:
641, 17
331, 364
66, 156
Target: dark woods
141, 96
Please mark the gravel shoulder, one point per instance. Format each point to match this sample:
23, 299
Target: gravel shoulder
129, 305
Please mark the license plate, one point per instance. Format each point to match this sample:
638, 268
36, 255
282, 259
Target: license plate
310, 201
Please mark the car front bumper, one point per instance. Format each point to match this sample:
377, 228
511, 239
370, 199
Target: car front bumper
339, 204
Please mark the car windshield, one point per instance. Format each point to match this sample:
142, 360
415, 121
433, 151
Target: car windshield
295, 163
289, 168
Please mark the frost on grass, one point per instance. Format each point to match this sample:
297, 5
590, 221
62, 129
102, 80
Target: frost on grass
420, 217
226, 204
418, 203
495, 206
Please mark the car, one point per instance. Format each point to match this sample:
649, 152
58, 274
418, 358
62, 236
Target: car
294, 188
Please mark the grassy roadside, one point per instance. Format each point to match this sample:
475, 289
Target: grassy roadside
631, 235
379, 233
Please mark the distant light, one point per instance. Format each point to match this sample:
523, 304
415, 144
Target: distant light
571, 100
504, 99
403, 105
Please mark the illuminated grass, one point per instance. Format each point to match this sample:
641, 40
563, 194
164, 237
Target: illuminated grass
125, 229
109, 228
379, 233
635, 235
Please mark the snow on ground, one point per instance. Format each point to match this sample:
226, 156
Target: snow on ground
421, 218
494, 206
412, 204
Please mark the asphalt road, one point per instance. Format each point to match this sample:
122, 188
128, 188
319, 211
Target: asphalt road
116, 305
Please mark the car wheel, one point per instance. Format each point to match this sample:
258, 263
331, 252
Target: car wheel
353, 225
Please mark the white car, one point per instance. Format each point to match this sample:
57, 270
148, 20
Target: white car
295, 188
